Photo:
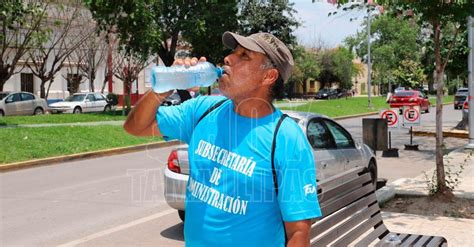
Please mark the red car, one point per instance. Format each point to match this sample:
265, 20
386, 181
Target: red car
410, 98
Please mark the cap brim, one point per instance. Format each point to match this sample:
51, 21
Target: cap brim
231, 40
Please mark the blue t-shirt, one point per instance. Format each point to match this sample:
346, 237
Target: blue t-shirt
230, 197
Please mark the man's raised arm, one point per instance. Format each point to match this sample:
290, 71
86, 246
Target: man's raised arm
141, 121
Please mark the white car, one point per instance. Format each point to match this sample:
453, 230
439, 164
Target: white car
21, 103
82, 102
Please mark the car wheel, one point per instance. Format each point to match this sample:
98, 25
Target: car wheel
107, 108
181, 214
77, 110
38, 111
373, 172
2, 114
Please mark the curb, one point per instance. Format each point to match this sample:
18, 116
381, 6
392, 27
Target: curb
356, 115
86, 155
446, 133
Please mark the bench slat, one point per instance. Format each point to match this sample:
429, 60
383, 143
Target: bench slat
359, 230
436, 241
335, 180
422, 241
379, 231
345, 188
345, 200
330, 221
411, 240
353, 221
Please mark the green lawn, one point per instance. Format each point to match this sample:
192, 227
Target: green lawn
341, 107
350, 106
19, 144
61, 118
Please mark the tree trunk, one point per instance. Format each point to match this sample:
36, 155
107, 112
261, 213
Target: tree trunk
42, 90
443, 190
49, 87
1, 85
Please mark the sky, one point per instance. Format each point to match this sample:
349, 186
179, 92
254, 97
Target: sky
319, 29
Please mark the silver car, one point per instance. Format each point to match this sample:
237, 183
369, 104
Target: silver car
21, 103
82, 102
334, 151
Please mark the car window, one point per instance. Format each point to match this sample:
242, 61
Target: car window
13, 98
420, 95
91, 97
75, 98
404, 94
318, 135
98, 96
25, 96
341, 137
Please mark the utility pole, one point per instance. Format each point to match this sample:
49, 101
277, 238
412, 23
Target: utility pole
369, 64
470, 66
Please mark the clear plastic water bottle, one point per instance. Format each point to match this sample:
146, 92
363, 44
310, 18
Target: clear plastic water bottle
392, 240
203, 74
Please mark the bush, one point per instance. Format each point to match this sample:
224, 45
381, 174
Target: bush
112, 99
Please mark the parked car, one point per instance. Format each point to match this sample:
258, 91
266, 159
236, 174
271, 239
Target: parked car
21, 103
410, 98
334, 151
459, 100
82, 102
341, 93
326, 93
173, 99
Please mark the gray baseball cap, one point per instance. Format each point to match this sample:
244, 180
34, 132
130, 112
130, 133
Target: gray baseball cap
267, 44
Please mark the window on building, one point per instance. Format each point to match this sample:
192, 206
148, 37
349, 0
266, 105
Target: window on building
27, 82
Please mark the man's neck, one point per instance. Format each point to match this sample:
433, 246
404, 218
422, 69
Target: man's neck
253, 107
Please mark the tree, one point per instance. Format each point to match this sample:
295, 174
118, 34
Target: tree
204, 34
66, 28
91, 53
20, 22
275, 17
395, 39
437, 15
307, 65
127, 66
337, 66
409, 74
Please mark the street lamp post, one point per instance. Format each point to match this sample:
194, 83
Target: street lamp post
470, 117
369, 64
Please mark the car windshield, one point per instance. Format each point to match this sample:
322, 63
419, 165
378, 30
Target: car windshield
3, 95
404, 94
76, 97
460, 97
325, 90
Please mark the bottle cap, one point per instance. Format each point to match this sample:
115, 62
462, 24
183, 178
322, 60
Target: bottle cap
219, 72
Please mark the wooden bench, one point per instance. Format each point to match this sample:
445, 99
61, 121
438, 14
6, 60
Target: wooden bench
351, 215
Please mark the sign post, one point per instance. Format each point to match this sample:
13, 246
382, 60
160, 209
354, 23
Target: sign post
411, 117
391, 115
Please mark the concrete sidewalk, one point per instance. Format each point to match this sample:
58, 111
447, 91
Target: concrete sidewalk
458, 231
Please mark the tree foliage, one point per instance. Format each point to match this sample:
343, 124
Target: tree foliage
337, 66
409, 74
20, 23
307, 65
395, 40
275, 17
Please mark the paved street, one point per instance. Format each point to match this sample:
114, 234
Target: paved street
118, 200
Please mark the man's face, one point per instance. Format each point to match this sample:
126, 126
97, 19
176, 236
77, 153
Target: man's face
243, 74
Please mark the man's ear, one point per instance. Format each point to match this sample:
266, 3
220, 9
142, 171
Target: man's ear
270, 77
